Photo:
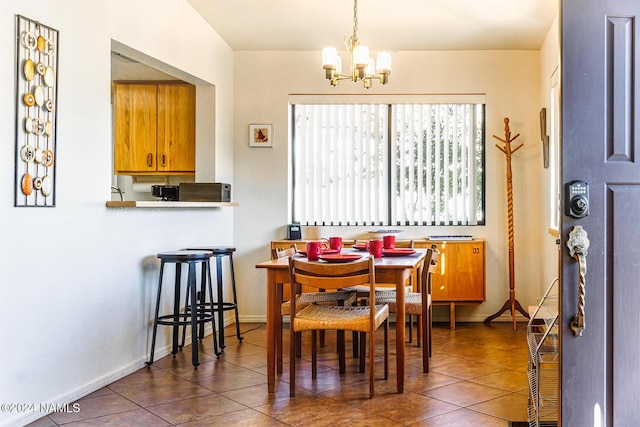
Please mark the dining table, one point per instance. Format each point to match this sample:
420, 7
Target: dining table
388, 269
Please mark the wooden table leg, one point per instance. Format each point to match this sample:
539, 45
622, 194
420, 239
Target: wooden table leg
400, 328
271, 332
278, 328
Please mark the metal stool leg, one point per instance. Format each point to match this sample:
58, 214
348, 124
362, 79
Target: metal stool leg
187, 300
220, 302
155, 319
235, 296
217, 350
203, 304
176, 310
202, 297
191, 283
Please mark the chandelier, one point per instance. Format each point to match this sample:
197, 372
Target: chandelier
362, 66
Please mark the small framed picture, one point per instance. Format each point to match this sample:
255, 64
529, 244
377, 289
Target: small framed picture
260, 135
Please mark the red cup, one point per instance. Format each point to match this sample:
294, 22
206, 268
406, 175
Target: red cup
335, 243
375, 248
389, 242
313, 250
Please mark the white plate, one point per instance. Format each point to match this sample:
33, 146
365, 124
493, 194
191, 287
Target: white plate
28, 153
46, 185
29, 40
38, 126
38, 93
49, 48
28, 124
49, 76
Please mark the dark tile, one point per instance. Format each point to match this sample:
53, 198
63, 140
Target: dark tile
195, 409
94, 407
477, 377
138, 418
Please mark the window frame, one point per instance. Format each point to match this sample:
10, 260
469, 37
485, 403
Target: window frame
389, 101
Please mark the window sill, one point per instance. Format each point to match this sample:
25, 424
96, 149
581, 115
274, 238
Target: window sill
168, 204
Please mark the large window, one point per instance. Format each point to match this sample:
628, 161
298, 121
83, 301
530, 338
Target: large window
388, 164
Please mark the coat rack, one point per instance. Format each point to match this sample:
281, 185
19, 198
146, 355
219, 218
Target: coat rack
512, 303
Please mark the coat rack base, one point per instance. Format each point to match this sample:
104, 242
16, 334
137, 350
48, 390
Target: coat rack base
512, 306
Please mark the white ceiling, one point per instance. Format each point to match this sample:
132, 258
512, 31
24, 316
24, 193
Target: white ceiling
382, 24
289, 25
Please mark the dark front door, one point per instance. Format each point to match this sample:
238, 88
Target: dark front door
600, 369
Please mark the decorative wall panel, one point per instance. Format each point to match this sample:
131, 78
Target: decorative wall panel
36, 111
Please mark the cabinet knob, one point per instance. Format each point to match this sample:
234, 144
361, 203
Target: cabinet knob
164, 160
150, 160
476, 250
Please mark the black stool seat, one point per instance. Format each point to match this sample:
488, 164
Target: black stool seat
178, 318
185, 256
218, 252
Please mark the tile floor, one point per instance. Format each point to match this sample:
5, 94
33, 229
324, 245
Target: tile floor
477, 378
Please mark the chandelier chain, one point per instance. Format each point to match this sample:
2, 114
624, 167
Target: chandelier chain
355, 20
351, 42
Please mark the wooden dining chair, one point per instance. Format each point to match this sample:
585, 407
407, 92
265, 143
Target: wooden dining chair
317, 317
362, 292
304, 299
415, 303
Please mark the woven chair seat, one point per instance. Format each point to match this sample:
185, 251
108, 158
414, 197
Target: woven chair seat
352, 318
323, 298
412, 301
363, 291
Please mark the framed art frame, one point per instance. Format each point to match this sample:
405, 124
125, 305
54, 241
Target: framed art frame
36, 113
260, 135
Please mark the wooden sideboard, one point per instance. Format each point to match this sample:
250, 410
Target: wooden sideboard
460, 278
461, 275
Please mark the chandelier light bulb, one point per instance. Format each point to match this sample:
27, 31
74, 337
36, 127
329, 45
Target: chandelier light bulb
361, 56
329, 57
383, 61
371, 68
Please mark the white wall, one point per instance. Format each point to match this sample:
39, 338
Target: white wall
511, 82
77, 281
549, 64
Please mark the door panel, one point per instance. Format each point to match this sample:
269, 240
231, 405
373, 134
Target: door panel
600, 373
622, 311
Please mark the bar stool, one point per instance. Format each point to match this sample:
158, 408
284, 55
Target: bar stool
194, 317
221, 305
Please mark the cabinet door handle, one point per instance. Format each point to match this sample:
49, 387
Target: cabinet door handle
150, 159
476, 250
164, 160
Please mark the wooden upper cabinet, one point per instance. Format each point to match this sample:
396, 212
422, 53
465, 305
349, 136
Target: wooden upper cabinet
176, 128
135, 117
154, 129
